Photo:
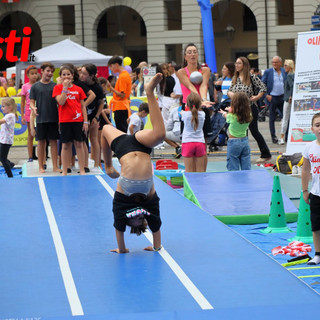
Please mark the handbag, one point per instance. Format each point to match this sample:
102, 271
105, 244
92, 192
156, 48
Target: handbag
256, 90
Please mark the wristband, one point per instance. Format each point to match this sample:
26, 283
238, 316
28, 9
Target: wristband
157, 249
86, 122
64, 91
305, 190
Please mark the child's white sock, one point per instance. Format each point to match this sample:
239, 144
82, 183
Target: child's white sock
315, 260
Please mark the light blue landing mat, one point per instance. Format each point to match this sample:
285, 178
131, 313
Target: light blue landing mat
291, 185
235, 197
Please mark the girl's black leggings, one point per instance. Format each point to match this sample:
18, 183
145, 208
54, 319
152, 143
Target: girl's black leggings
4, 150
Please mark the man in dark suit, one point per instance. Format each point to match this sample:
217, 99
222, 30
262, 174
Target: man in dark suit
274, 79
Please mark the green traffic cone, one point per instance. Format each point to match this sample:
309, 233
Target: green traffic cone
304, 232
277, 218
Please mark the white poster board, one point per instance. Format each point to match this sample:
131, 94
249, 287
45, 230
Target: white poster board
148, 73
306, 91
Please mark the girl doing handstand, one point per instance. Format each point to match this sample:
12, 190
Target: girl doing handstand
135, 202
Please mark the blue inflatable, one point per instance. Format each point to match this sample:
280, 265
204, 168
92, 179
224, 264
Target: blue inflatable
208, 36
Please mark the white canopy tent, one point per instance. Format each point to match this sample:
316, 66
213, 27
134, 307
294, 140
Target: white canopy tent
65, 51
12, 70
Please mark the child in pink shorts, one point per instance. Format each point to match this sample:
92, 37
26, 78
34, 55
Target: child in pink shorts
193, 143
32, 74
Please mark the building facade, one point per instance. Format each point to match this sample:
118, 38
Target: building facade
157, 31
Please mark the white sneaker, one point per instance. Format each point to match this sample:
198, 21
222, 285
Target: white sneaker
299, 170
281, 141
295, 170
315, 260
96, 170
160, 146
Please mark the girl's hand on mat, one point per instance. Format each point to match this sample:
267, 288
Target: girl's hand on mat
118, 251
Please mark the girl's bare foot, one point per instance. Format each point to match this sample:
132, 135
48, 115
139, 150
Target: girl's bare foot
153, 83
118, 251
112, 172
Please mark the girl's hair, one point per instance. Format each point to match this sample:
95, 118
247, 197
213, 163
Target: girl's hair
92, 70
32, 67
230, 66
240, 105
245, 72
102, 80
290, 63
163, 68
138, 224
67, 66
75, 74
11, 103
315, 116
184, 53
194, 103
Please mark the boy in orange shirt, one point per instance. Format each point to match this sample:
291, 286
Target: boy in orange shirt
120, 103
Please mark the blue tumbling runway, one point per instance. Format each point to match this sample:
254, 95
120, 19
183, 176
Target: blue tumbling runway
56, 262
235, 192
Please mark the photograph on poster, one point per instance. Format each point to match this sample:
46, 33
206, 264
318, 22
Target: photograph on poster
311, 86
302, 135
307, 104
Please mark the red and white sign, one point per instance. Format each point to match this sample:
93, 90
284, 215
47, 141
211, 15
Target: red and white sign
306, 91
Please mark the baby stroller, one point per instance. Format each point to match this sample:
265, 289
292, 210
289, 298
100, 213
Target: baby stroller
219, 127
263, 113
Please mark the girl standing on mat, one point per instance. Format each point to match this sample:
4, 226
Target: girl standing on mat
135, 202
311, 156
32, 74
9, 109
238, 116
72, 118
193, 143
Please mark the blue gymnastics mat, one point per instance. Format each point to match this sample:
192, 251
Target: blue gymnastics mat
291, 185
235, 197
56, 236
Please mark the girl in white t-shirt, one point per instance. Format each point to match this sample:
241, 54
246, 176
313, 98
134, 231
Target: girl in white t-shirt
311, 163
193, 144
9, 109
